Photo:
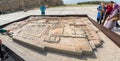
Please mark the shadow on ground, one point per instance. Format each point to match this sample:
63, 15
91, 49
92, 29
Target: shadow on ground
45, 53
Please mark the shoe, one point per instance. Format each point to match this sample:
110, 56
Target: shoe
117, 26
5, 58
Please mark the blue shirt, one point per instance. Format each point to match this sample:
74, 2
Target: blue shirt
99, 11
42, 8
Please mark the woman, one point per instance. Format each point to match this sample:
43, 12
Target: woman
101, 11
113, 17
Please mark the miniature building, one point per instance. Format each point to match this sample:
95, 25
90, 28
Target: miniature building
70, 35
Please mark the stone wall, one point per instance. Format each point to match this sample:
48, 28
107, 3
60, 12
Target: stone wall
14, 5
55, 2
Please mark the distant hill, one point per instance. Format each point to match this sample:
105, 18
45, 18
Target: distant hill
92, 2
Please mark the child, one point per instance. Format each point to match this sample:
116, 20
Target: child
101, 11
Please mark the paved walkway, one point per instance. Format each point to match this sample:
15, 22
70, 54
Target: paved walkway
108, 52
6, 18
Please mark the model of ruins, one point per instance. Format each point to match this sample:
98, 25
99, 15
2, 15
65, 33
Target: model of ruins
71, 35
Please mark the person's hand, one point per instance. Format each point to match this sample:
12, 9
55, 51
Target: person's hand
103, 10
107, 18
0, 41
8, 30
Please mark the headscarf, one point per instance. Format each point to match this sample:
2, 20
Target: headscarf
116, 6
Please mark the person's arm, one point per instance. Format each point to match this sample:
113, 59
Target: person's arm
3, 30
99, 8
40, 7
45, 7
105, 8
0, 41
113, 14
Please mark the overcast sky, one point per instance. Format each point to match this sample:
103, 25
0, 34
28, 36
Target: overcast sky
76, 1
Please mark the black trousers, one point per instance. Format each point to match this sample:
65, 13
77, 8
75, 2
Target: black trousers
1, 52
117, 25
105, 17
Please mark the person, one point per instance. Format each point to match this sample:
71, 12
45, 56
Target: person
109, 9
113, 17
43, 8
101, 11
2, 52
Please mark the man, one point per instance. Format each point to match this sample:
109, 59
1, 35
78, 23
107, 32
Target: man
43, 8
109, 9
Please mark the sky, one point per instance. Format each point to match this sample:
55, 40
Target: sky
76, 1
